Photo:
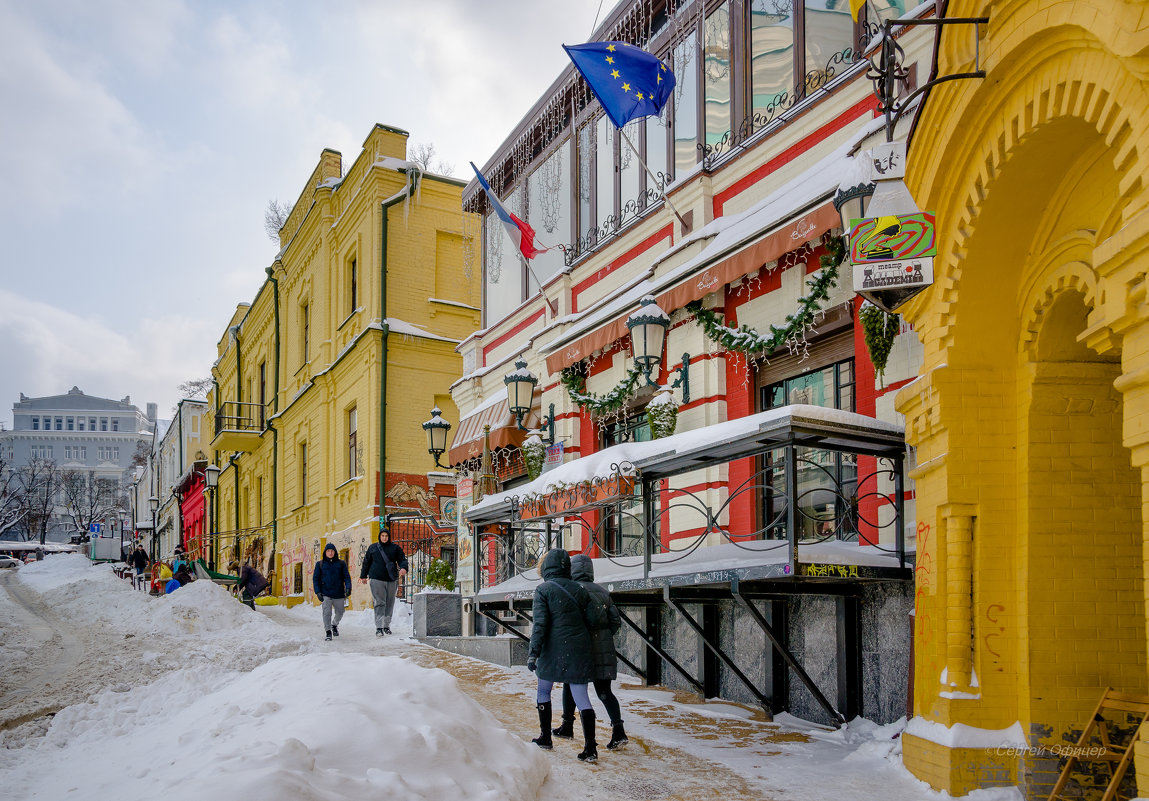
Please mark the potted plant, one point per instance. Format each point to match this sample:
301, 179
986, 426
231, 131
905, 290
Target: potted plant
662, 413
438, 608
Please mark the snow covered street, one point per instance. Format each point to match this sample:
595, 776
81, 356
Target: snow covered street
106, 692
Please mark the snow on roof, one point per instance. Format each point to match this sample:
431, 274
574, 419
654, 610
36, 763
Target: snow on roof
608, 461
397, 326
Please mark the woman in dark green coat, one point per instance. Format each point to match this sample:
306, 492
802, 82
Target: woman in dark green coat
560, 647
605, 667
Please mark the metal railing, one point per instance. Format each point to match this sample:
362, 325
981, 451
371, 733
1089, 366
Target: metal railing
241, 416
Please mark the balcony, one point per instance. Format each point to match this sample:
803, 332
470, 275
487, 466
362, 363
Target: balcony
238, 426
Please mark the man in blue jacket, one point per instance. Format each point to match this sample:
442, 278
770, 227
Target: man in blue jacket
332, 584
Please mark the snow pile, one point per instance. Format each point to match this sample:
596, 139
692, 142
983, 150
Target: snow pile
78, 590
318, 727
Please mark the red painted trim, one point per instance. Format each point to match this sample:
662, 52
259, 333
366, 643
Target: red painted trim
894, 387
861, 108
625, 258
518, 329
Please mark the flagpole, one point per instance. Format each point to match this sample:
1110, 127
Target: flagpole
539, 284
653, 177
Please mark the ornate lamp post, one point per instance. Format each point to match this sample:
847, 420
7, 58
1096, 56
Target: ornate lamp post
648, 325
437, 429
521, 384
154, 505
211, 481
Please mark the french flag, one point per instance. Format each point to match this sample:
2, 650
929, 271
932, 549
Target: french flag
520, 233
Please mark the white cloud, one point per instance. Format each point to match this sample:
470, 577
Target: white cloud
48, 350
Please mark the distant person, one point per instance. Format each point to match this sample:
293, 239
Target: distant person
179, 559
139, 561
560, 648
385, 565
602, 651
251, 584
332, 584
39, 554
172, 585
183, 575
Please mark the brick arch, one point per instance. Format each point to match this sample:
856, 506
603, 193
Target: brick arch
1069, 273
1050, 76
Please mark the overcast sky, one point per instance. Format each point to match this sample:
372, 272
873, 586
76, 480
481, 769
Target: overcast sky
141, 140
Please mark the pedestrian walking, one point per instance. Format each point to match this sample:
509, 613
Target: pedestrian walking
139, 560
602, 650
384, 565
560, 648
332, 584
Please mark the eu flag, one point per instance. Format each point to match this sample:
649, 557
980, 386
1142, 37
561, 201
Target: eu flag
628, 81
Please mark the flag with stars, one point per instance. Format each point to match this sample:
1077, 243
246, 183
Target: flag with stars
628, 81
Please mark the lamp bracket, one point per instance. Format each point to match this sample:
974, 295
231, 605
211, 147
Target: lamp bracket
548, 422
682, 380
886, 66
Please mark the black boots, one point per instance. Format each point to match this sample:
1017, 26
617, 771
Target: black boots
543, 741
334, 629
566, 730
589, 752
328, 635
618, 737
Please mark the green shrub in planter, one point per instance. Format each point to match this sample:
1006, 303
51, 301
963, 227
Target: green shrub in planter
534, 454
440, 577
662, 414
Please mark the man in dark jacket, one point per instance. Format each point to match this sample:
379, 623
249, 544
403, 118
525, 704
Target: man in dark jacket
602, 650
332, 584
252, 583
139, 560
385, 565
560, 648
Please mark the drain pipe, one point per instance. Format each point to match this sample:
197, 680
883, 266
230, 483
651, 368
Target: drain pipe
403, 194
271, 422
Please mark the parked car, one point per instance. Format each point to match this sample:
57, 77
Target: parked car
9, 561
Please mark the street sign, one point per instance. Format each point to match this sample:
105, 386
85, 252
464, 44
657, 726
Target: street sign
893, 257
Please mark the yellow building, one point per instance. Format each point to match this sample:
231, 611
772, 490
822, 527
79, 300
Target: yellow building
367, 299
1031, 416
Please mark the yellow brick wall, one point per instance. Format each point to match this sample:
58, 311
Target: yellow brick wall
334, 223
1030, 417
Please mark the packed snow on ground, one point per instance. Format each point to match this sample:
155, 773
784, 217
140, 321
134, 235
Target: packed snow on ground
322, 726
193, 695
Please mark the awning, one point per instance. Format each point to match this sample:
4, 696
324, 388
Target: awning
468, 442
713, 271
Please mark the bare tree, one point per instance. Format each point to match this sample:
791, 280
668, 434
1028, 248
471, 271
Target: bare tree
195, 387
423, 154
274, 216
11, 512
140, 457
89, 499
38, 482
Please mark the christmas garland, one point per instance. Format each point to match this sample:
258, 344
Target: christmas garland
744, 340
612, 401
879, 330
750, 342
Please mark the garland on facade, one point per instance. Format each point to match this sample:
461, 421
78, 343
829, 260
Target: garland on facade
613, 401
747, 341
879, 330
534, 455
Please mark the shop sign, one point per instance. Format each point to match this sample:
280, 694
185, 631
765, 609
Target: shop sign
554, 456
576, 498
893, 257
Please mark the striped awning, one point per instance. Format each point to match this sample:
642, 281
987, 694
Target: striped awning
468, 442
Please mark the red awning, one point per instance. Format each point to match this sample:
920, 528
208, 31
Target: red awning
710, 278
468, 441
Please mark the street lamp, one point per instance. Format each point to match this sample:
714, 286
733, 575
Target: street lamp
211, 481
154, 505
648, 325
521, 384
437, 429
856, 185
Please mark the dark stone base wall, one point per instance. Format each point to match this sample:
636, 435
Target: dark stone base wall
811, 632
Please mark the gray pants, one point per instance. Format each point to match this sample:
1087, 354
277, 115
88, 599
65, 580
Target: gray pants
330, 603
383, 594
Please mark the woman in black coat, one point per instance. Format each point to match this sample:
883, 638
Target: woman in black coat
560, 647
605, 667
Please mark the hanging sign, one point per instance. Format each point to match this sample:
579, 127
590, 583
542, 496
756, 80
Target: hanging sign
893, 256
554, 456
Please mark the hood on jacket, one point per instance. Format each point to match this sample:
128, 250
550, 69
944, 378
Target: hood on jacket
384, 535
334, 553
556, 564
582, 568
